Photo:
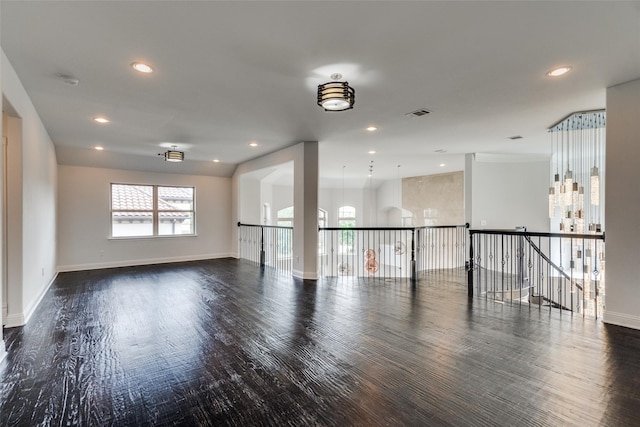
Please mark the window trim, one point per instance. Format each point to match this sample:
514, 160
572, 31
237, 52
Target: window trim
155, 213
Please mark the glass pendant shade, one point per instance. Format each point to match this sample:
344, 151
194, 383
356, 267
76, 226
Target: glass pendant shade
336, 96
595, 187
173, 156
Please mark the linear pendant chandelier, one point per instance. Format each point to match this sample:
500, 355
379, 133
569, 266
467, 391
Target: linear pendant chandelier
577, 165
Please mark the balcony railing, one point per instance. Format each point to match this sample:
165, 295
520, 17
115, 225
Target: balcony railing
557, 270
383, 252
267, 245
390, 252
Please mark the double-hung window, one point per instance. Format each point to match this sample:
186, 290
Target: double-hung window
152, 210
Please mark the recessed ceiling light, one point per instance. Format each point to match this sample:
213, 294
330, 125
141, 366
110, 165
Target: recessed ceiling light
372, 151
442, 164
99, 148
372, 128
101, 119
142, 67
559, 71
216, 161
253, 144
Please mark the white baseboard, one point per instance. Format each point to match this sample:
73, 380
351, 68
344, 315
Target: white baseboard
135, 262
13, 320
621, 319
3, 352
32, 308
21, 319
304, 275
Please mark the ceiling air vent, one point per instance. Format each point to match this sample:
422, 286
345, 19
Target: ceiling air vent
418, 113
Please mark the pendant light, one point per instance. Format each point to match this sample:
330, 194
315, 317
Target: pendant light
336, 95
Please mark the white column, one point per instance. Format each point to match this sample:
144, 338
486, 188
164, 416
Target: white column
305, 207
2, 348
622, 205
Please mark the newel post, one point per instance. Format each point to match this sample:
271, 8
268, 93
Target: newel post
262, 255
414, 273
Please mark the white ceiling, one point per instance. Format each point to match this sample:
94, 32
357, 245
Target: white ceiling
228, 73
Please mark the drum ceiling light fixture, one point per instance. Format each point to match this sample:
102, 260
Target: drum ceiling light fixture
336, 95
173, 155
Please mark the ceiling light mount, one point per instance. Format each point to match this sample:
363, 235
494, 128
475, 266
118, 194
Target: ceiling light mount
173, 155
336, 95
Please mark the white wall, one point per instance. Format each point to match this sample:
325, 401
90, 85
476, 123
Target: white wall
509, 194
304, 156
622, 205
84, 220
281, 197
39, 169
331, 199
389, 203
250, 202
2, 303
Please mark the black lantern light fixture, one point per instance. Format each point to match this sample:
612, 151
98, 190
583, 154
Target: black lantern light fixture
173, 155
336, 95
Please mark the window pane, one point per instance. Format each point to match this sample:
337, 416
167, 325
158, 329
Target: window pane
130, 224
131, 197
347, 212
173, 223
175, 199
286, 212
346, 223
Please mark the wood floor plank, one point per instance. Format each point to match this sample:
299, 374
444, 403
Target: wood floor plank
221, 343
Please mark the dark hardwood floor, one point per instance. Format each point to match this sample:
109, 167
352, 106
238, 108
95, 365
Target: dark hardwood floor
219, 343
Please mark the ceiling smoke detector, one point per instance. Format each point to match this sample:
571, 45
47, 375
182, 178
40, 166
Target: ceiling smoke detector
418, 113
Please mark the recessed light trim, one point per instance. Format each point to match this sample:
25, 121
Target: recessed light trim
372, 151
559, 71
442, 165
372, 128
101, 120
216, 160
98, 147
253, 144
142, 67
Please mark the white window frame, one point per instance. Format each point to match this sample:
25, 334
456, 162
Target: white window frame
155, 212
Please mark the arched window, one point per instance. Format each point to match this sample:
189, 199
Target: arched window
346, 219
285, 217
322, 222
346, 216
266, 214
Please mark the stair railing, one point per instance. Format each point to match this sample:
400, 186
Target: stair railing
559, 270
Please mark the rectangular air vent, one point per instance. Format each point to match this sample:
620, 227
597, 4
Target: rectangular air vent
418, 113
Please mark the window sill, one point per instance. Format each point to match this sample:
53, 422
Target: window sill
168, 236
